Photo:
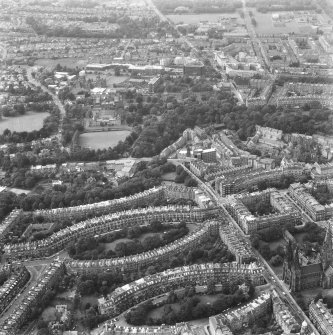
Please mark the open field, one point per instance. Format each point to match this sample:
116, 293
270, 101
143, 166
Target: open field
170, 176
265, 25
102, 140
196, 18
110, 78
69, 62
91, 299
27, 122
49, 314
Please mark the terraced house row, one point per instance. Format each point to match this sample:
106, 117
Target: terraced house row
249, 180
286, 211
309, 204
106, 224
156, 256
148, 287
236, 244
18, 278
9, 222
22, 312
145, 198
236, 319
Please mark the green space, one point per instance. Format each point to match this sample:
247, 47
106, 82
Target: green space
50, 64
102, 140
127, 242
261, 207
196, 18
187, 305
265, 25
170, 176
271, 244
324, 197
28, 122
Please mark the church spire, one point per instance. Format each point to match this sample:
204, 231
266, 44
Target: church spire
296, 258
327, 248
328, 238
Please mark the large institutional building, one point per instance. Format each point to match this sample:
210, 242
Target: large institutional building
300, 274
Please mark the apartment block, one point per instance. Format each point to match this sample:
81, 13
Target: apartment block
286, 211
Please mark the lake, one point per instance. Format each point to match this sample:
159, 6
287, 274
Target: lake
103, 139
28, 122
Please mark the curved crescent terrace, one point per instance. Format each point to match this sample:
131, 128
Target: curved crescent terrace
105, 224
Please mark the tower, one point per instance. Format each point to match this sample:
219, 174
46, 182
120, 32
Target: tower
327, 249
296, 282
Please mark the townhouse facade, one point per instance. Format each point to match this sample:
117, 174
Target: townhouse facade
106, 224
322, 171
144, 198
236, 319
148, 287
6, 226
244, 181
283, 316
22, 312
286, 211
309, 204
236, 244
321, 317
145, 259
12, 286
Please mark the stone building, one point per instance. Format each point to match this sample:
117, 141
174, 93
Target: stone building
300, 274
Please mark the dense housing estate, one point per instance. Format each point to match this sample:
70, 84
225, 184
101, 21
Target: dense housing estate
125, 66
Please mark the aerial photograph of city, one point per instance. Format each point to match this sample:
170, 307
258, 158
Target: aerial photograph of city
166, 167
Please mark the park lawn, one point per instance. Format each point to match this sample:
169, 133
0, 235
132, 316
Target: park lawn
70, 62
102, 140
49, 314
27, 122
170, 176
91, 299
299, 237
112, 245
158, 312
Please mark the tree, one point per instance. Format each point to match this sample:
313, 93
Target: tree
211, 288
265, 251
276, 260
